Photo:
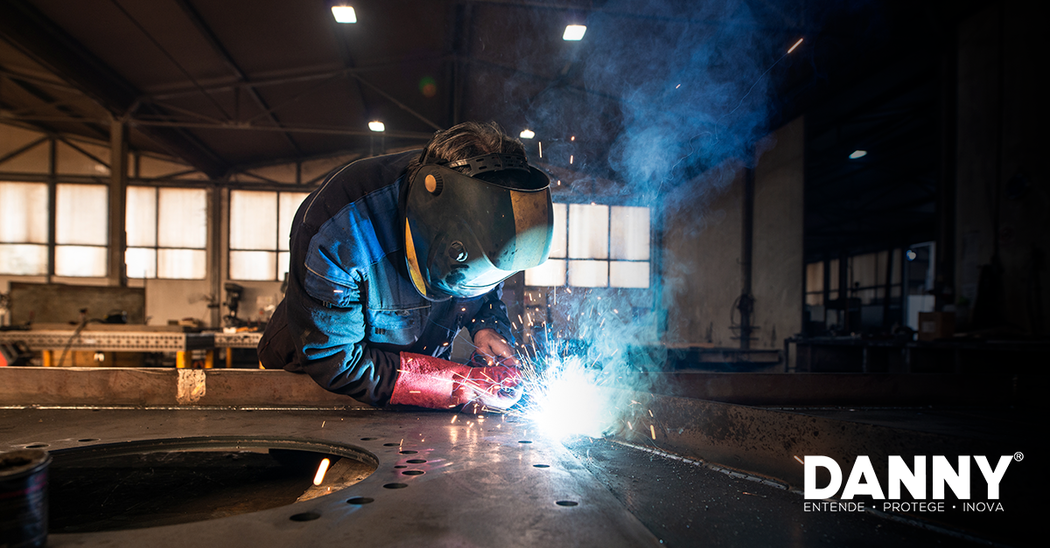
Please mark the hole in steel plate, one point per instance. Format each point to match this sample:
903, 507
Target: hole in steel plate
416, 461
391, 444
541, 466
115, 486
368, 439
395, 486
413, 472
409, 452
305, 516
37, 446
86, 440
525, 441
567, 503
360, 500
400, 466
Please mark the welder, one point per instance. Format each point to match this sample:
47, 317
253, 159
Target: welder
392, 255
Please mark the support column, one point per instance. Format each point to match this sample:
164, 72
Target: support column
218, 228
52, 200
746, 303
116, 273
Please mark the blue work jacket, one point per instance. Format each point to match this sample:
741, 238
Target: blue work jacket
350, 308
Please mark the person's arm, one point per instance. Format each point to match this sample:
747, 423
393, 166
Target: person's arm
328, 321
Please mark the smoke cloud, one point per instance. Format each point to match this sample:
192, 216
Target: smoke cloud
672, 97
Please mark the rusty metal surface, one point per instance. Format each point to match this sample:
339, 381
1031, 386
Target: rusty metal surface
479, 486
27, 386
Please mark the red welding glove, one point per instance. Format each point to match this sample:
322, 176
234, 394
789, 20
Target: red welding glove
426, 381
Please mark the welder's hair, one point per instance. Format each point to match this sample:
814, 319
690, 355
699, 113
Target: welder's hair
467, 140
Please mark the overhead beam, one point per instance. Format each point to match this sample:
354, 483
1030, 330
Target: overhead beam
39, 38
299, 78
220, 50
394, 100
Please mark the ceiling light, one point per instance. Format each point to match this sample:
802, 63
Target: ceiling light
858, 154
911, 254
377, 126
344, 14
574, 32
527, 134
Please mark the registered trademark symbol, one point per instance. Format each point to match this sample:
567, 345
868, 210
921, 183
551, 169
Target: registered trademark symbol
1018, 456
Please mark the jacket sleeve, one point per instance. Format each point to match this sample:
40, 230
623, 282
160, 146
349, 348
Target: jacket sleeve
492, 315
326, 318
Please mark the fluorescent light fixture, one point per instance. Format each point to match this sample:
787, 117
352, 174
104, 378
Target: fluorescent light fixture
344, 14
574, 32
377, 126
858, 154
527, 134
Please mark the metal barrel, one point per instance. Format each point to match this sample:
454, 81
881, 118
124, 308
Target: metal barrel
23, 498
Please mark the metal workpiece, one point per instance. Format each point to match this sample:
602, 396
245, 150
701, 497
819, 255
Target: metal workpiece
768, 447
771, 441
156, 387
439, 481
689, 503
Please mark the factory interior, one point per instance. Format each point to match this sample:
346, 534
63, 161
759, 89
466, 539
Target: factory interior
784, 233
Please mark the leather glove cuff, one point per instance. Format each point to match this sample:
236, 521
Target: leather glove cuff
426, 381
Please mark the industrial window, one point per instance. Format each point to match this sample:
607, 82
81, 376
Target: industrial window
596, 246
81, 230
260, 223
23, 228
167, 231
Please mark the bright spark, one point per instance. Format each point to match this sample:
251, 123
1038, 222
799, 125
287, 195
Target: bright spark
565, 399
321, 469
653, 431
796, 45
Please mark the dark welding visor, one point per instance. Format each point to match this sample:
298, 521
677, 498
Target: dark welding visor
465, 232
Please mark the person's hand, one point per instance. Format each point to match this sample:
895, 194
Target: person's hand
426, 381
493, 349
495, 386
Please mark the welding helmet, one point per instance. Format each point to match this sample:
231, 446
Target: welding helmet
470, 224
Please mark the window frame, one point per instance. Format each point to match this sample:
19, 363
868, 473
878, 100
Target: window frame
277, 252
157, 246
609, 259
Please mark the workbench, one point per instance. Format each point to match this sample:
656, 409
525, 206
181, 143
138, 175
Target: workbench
47, 339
